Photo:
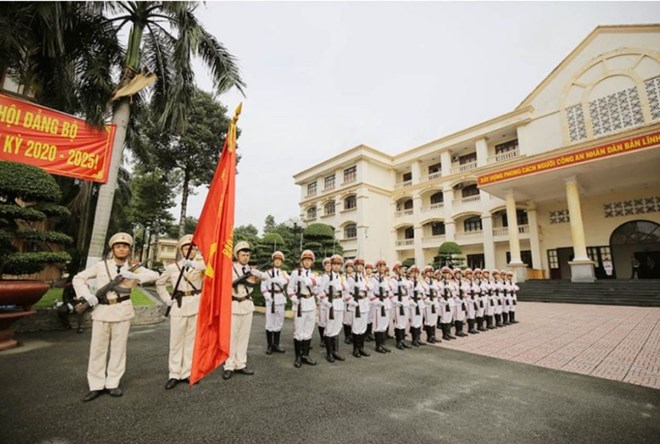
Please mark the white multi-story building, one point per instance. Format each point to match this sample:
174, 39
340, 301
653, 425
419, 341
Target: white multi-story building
567, 185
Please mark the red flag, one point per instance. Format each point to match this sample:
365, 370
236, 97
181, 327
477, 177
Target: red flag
213, 237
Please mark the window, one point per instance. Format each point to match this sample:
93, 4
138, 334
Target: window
409, 233
330, 182
521, 217
407, 177
350, 202
653, 93
435, 168
408, 205
437, 228
472, 224
329, 208
616, 111
467, 158
350, 174
311, 189
525, 257
437, 198
553, 259
311, 213
470, 190
506, 146
350, 231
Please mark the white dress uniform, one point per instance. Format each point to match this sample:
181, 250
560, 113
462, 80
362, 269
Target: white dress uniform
432, 306
183, 318
499, 301
489, 300
506, 302
302, 290
460, 307
110, 322
399, 289
446, 301
274, 290
381, 307
417, 305
331, 296
480, 300
359, 303
348, 314
514, 302
471, 292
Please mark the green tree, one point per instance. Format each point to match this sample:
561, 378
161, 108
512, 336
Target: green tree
269, 224
320, 238
163, 38
447, 254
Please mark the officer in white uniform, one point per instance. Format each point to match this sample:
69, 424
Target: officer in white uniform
480, 300
513, 289
331, 296
382, 305
460, 308
358, 304
417, 305
323, 308
274, 290
431, 304
446, 304
368, 273
302, 291
489, 299
189, 275
349, 272
399, 289
498, 291
471, 292
111, 315
245, 278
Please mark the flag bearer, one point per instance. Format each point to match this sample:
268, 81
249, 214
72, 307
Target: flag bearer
274, 290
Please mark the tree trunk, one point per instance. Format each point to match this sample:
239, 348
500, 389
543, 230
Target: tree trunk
107, 191
184, 203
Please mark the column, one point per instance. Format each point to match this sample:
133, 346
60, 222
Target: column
419, 249
450, 230
361, 225
415, 169
482, 152
516, 264
445, 160
489, 244
534, 241
582, 268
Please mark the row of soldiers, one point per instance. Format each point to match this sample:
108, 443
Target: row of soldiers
367, 302
362, 300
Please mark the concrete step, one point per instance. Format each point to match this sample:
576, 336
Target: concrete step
608, 292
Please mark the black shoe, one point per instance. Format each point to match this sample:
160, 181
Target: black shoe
269, 340
361, 339
321, 333
93, 394
328, 349
335, 348
245, 371
115, 392
226, 374
276, 342
306, 346
171, 383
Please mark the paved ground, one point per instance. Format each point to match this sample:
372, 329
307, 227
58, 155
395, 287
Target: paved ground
425, 395
618, 343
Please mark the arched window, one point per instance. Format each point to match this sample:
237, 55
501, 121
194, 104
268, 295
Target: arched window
329, 208
437, 198
407, 205
311, 213
521, 217
350, 231
472, 224
470, 190
409, 233
437, 228
350, 202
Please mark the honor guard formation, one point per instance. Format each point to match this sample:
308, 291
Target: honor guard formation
366, 301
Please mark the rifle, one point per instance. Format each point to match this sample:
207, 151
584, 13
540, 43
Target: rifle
380, 295
299, 294
402, 311
176, 294
101, 294
417, 312
356, 291
331, 312
445, 295
431, 296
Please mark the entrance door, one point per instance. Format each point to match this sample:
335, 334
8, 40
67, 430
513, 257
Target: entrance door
475, 261
636, 241
565, 255
553, 262
602, 257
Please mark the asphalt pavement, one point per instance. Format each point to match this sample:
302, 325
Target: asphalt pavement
429, 394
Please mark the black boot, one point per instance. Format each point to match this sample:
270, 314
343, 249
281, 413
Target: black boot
489, 322
448, 327
321, 331
433, 330
419, 336
297, 346
306, 345
505, 318
403, 338
269, 339
335, 349
498, 319
429, 334
512, 317
380, 338
328, 349
276, 342
445, 335
356, 346
384, 341
471, 328
361, 339
347, 334
369, 337
480, 324
399, 341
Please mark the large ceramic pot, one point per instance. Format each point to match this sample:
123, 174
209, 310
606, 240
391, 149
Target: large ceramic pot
22, 294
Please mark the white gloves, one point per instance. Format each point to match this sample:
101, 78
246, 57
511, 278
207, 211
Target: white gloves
91, 299
195, 265
129, 275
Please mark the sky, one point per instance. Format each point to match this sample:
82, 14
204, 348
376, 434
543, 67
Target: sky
323, 77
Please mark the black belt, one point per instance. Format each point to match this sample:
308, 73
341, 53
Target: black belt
115, 301
234, 298
191, 293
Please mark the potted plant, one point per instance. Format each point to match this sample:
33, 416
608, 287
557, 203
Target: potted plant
28, 206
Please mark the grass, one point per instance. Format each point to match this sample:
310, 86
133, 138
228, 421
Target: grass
138, 297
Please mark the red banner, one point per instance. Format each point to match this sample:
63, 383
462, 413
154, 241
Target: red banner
56, 142
586, 155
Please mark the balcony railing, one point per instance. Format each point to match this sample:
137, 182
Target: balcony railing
310, 193
346, 210
456, 203
435, 206
402, 213
405, 242
433, 240
504, 156
469, 235
400, 185
328, 214
349, 178
465, 167
329, 186
433, 176
504, 231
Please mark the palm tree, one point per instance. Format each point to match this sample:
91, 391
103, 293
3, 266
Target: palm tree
163, 38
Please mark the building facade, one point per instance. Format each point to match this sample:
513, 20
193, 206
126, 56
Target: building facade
567, 185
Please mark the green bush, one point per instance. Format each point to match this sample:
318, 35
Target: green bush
29, 183
28, 263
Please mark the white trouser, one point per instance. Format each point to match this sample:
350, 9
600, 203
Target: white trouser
359, 325
334, 326
431, 318
400, 320
114, 334
348, 317
416, 320
323, 315
182, 343
275, 321
240, 337
381, 322
303, 326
